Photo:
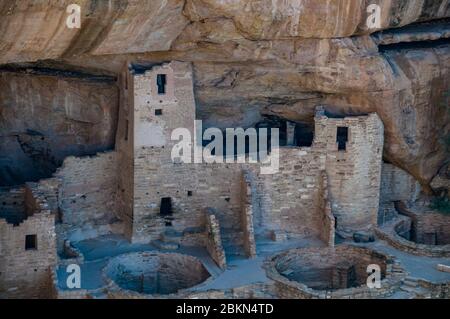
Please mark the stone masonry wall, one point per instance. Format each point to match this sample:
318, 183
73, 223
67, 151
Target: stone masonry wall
26, 272
396, 185
87, 195
293, 200
191, 187
390, 233
247, 216
318, 259
406, 233
290, 200
155, 176
433, 224
353, 174
214, 239
428, 227
125, 152
328, 223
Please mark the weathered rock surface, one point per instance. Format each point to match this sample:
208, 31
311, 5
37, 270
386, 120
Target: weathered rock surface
33, 30
279, 19
255, 58
441, 183
44, 119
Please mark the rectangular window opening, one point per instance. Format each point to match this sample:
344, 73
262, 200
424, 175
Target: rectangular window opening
304, 135
30, 242
161, 81
342, 138
158, 112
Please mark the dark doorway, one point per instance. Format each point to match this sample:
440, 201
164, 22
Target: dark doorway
342, 138
161, 82
351, 278
430, 239
304, 135
30, 242
166, 206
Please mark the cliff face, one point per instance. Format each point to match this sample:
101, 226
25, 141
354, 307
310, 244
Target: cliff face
251, 58
34, 30
44, 118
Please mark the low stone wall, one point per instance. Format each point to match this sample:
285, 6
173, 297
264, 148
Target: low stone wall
328, 222
247, 216
87, 195
396, 185
436, 291
214, 239
428, 227
291, 289
28, 250
389, 233
290, 201
255, 291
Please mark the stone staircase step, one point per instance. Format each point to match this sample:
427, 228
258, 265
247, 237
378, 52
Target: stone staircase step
165, 245
232, 241
171, 237
234, 250
409, 289
415, 292
411, 282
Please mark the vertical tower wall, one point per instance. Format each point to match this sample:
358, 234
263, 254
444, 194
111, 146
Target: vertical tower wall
156, 115
125, 151
154, 176
354, 174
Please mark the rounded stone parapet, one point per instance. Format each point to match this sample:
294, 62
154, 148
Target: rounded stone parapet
332, 273
153, 275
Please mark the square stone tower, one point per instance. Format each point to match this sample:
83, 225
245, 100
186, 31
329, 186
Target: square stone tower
354, 150
156, 99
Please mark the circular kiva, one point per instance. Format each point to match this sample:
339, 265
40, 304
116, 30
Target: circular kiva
334, 272
156, 273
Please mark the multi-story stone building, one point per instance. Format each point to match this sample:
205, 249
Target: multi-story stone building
143, 192
158, 193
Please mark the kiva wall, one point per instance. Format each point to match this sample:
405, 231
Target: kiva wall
432, 228
396, 185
